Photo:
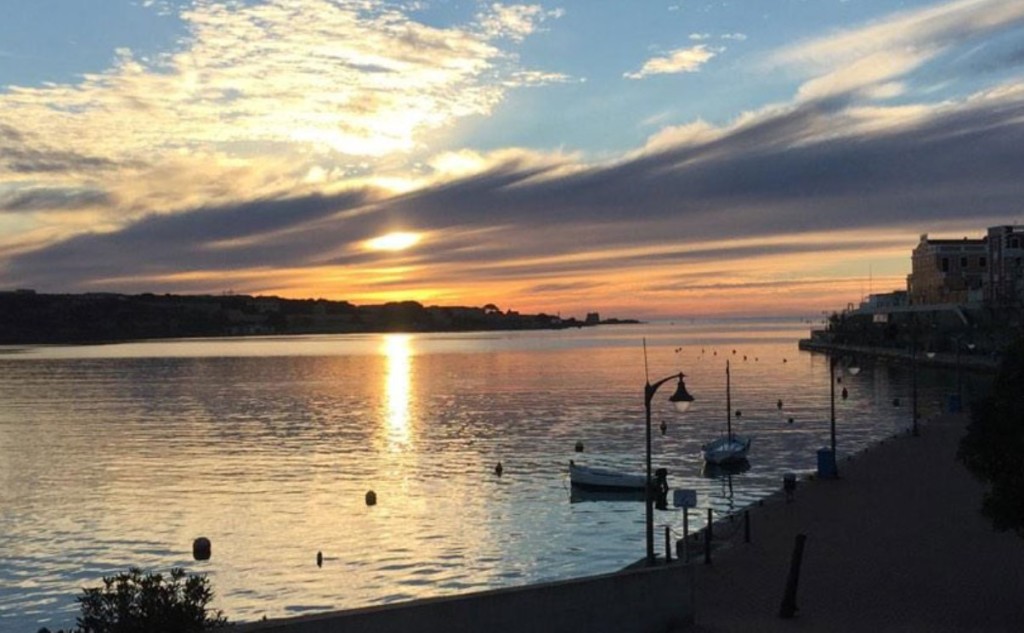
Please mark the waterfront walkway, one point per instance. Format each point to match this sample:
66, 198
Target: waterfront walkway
895, 544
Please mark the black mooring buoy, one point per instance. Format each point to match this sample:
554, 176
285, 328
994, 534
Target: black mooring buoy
579, 446
895, 402
790, 420
201, 548
498, 469
319, 559
778, 405
664, 427
371, 498
846, 394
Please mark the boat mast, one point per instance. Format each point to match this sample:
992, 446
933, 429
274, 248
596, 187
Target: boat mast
728, 403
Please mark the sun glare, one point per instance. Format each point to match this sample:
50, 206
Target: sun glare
397, 241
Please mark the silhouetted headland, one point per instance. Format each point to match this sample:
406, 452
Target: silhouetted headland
27, 317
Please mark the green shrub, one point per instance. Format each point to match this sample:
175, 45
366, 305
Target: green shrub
133, 602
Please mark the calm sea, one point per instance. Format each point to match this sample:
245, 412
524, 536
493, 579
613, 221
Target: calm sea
121, 455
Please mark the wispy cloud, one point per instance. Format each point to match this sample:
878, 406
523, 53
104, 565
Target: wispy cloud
681, 60
859, 60
805, 187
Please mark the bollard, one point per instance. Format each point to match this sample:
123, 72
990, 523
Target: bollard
789, 608
789, 485
686, 535
746, 526
707, 540
201, 548
668, 545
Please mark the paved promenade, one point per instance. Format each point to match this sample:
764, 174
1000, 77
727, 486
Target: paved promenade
895, 544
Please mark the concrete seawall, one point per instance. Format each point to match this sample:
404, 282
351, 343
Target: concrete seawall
648, 600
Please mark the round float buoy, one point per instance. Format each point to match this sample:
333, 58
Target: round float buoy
498, 469
739, 413
778, 405
895, 402
664, 427
201, 548
784, 360
790, 420
371, 498
579, 446
846, 393
319, 559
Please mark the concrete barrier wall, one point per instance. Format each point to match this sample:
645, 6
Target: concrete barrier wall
647, 600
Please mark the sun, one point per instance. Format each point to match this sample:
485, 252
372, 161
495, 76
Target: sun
397, 241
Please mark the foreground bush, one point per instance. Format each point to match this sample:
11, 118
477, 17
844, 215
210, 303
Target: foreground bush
133, 602
994, 444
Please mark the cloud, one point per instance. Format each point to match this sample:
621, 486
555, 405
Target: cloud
514, 22
860, 59
51, 198
681, 60
785, 183
255, 101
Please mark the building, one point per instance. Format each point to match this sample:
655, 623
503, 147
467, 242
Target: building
948, 271
1005, 279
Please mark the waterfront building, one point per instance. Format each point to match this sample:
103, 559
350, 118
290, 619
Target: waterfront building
948, 271
1005, 279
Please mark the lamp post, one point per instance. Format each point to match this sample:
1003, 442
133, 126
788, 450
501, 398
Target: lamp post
832, 409
682, 400
853, 369
913, 382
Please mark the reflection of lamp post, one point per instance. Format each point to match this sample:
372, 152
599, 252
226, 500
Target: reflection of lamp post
682, 400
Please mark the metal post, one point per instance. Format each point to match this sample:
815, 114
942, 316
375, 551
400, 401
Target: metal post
746, 526
686, 534
648, 497
959, 389
668, 545
832, 412
788, 608
913, 380
707, 540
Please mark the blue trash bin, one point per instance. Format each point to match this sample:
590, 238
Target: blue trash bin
954, 403
826, 463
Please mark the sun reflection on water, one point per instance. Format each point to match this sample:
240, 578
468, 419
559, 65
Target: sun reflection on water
397, 349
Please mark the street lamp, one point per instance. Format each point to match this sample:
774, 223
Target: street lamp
854, 369
682, 401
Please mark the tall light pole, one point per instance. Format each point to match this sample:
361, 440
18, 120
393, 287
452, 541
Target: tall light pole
851, 366
913, 380
682, 400
832, 410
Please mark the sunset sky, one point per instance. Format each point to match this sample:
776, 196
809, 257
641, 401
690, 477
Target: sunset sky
642, 159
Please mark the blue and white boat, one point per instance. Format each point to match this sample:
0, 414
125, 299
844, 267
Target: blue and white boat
729, 448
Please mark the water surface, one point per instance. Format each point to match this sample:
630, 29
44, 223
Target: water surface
120, 455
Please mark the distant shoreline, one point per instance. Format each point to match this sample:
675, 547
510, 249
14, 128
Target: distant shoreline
28, 318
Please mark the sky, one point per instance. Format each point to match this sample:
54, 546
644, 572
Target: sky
641, 159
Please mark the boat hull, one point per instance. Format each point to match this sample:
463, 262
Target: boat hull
726, 450
604, 480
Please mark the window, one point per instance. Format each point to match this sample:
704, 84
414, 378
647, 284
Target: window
945, 264
963, 262
982, 262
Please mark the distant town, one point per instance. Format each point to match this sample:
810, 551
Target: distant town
28, 317
964, 297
